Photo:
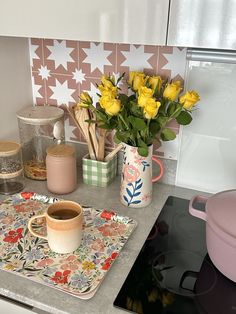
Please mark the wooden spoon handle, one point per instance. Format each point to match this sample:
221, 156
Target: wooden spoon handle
101, 144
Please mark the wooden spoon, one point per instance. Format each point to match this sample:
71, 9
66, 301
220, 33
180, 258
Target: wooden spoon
101, 144
85, 127
92, 131
78, 118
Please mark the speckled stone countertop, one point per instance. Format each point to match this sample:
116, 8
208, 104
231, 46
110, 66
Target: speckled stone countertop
53, 301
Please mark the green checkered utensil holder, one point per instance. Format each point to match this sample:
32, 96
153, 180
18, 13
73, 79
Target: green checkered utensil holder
99, 173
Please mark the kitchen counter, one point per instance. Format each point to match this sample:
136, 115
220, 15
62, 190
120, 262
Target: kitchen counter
53, 301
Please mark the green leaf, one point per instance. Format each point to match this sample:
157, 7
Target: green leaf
184, 118
123, 136
135, 109
20, 248
116, 140
143, 151
141, 143
101, 116
171, 108
162, 120
137, 123
167, 135
154, 127
123, 98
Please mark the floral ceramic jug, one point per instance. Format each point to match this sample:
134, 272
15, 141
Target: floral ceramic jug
136, 177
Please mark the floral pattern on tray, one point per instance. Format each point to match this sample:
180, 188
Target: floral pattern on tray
79, 273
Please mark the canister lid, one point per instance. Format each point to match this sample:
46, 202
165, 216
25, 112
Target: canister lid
40, 114
9, 148
60, 150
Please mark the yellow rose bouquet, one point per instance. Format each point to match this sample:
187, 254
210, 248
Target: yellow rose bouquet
141, 118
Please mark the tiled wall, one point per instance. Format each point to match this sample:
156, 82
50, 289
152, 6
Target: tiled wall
61, 70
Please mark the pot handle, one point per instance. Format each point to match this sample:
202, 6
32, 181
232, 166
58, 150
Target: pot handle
195, 212
186, 274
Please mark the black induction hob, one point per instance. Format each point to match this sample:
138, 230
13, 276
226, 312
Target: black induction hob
173, 273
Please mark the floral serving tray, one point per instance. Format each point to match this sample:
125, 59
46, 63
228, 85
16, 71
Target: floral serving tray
78, 273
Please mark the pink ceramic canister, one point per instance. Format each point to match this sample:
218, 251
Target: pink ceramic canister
220, 217
61, 169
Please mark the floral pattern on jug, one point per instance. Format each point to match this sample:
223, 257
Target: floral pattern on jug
136, 177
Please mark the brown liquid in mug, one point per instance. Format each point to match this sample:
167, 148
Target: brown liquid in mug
64, 214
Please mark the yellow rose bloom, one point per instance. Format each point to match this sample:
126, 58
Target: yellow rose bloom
151, 107
155, 82
131, 77
86, 100
85, 97
144, 94
104, 101
189, 99
106, 81
105, 91
113, 107
145, 91
172, 90
137, 80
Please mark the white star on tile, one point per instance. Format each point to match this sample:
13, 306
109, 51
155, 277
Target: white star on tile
33, 49
62, 93
176, 62
136, 58
60, 53
93, 93
44, 72
97, 56
78, 76
68, 130
36, 93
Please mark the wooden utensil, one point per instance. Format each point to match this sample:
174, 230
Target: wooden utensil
113, 152
82, 116
101, 143
92, 131
78, 118
72, 115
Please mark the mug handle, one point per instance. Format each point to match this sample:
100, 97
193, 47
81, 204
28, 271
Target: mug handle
157, 160
36, 234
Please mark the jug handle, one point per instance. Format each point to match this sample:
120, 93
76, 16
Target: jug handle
195, 212
157, 160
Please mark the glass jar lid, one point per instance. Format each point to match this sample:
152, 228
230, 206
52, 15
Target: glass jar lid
9, 148
61, 150
40, 114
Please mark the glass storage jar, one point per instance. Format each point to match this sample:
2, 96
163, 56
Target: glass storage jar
11, 168
39, 127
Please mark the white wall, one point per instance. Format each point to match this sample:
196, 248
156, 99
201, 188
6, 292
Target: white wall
15, 84
207, 159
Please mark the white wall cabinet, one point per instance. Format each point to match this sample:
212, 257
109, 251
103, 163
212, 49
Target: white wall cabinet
15, 84
202, 23
118, 21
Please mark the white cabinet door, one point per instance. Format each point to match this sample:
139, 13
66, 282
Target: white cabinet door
7, 307
202, 23
119, 21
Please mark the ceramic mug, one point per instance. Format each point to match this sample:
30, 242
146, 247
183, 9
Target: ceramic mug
64, 221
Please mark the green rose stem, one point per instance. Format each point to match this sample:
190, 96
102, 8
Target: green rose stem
122, 119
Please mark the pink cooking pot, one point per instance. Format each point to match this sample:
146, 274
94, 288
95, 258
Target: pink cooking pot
220, 217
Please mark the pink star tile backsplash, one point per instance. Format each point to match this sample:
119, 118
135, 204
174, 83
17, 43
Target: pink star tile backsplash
62, 69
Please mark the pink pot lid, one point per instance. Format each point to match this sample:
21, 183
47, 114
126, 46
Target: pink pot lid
221, 211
